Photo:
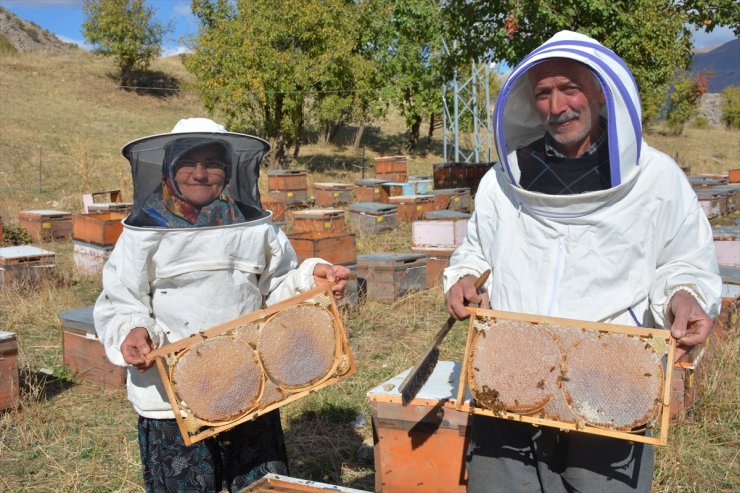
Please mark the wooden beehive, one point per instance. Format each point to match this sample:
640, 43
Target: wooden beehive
25, 265
84, 354
456, 175
733, 176
732, 192
46, 225
412, 207
389, 276
337, 248
597, 378
398, 188
278, 209
102, 228
421, 185
289, 198
238, 370
391, 168
438, 234
276, 483
326, 221
727, 245
454, 199
371, 190
420, 447
287, 179
373, 217
89, 258
686, 381
9, 376
438, 259
705, 181
105, 201
332, 194
730, 281
711, 203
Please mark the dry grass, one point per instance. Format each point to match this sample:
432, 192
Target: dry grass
69, 435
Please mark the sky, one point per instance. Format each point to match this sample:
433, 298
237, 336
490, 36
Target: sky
64, 18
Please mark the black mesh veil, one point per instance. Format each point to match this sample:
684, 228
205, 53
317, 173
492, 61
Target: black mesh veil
147, 158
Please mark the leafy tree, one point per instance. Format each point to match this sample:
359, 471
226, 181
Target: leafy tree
650, 35
708, 14
126, 30
683, 102
731, 106
268, 68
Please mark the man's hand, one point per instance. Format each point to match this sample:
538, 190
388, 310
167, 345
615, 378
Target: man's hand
690, 323
328, 274
135, 347
463, 293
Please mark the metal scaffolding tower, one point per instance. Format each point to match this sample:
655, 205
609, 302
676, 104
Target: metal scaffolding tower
466, 103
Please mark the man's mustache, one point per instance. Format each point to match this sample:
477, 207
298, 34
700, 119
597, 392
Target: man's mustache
565, 117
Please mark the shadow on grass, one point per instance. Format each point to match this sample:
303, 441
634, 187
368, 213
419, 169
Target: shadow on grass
322, 442
151, 83
39, 385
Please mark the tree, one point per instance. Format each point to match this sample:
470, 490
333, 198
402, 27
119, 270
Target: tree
268, 68
652, 36
731, 106
683, 101
126, 30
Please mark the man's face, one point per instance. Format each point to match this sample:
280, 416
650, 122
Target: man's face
567, 98
200, 175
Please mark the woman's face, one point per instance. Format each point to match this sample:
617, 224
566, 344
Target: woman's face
200, 175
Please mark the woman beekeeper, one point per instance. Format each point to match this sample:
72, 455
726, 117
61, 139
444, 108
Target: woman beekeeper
196, 251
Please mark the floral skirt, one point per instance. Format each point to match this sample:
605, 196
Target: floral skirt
229, 461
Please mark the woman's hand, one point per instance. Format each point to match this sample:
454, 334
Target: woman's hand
327, 274
135, 347
690, 325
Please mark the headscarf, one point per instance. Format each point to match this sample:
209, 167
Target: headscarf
168, 208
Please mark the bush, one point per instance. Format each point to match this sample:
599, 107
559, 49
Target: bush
6, 47
731, 106
700, 122
15, 235
684, 101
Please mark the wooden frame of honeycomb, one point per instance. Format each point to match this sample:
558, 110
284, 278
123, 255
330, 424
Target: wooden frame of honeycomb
338, 364
583, 359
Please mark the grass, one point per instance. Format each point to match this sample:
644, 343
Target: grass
66, 115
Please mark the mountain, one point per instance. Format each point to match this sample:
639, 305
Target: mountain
27, 36
721, 65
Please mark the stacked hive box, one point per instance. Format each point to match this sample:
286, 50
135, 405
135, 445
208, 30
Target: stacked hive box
454, 199
412, 207
105, 201
323, 233
9, 376
437, 236
93, 237
371, 190
391, 168
25, 265
289, 187
332, 194
373, 217
83, 352
386, 277
456, 175
46, 225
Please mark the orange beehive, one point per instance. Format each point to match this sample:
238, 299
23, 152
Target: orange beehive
332, 194
412, 207
337, 248
9, 377
46, 225
371, 190
290, 198
319, 221
25, 264
438, 260
101, 228
287, 179
391, 168
733, 176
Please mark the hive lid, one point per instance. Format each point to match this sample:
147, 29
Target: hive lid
389, 257
6, 336
46, 212
79, 318
446, 214
441, 191
332, 185
730, 273
371, 207
281, 172
370, 182
314, 213
23, 251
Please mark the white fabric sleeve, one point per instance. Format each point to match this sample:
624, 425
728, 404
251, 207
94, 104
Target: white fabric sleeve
125, 301
688, 261
281, 279
468, 258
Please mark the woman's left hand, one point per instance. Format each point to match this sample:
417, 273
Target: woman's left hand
332, 274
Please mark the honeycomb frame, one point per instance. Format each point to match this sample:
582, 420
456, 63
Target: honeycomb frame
193, 428
658, 341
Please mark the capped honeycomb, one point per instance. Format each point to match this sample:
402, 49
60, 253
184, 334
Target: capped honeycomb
614, 381
510, 366
217, 379
297, 346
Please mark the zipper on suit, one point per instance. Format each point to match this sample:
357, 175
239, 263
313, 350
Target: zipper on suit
557, 274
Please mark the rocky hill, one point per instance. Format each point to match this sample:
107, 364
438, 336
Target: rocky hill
721, 65
27, 36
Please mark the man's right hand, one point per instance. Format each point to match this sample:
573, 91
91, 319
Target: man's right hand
135, 347
463, 293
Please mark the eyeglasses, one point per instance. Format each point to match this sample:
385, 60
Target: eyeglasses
189, 165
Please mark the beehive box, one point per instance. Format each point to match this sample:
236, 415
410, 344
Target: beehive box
412, 207
422, 185
711, 203
371, 190
46, 225
289, 198
456, 175
590, 377
89, 258
373, 217
420, 447
351, 299
704, 181
238, 370
432, 234
105, 201
287, 179
438, 259
332, 194
730, 281
686, 381
733, 176
9, 376
389, 276
84, 354
391, 168
398, 188
102, 228
276, 483
326, 221
25, 265
732, 192
727, 244
337, 248
454, 199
